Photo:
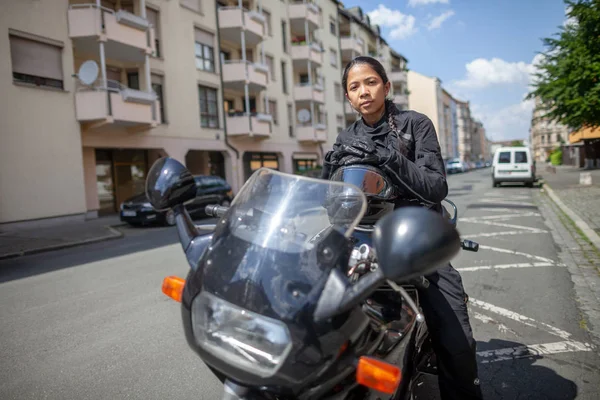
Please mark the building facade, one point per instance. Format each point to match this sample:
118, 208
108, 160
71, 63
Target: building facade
545, 136
225, 87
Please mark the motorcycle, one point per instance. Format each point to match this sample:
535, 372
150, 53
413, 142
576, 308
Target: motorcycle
289, 297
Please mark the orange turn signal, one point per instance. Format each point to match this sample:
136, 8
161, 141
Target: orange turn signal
173, 287
378, 375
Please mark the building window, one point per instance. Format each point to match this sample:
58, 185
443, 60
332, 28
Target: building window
338, 91
209, 114
268, 20
304, 165
192, 4
284, 77
284, 36
303, 79
133, 80
273, 111
332, 27
205, 53
333, 57
157, 86
36, 63
322, 117
271, 65
154, 18
254, 161
340, 120
290, 110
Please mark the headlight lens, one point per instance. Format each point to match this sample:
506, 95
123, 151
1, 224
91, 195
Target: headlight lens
147, 206
250, 341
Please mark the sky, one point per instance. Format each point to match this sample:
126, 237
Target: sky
482, 50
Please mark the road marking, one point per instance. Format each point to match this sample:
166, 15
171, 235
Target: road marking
506, 266
489, 320
500, 201
503, 196
493, 223
512, 353
521, 318
517, 253
494, 234
500, 217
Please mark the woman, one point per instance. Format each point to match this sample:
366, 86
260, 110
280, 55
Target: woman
405, 146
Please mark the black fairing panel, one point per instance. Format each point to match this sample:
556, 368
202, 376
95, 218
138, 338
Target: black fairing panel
284, 286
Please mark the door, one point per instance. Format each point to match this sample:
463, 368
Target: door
130, 168
521, 167
503, 165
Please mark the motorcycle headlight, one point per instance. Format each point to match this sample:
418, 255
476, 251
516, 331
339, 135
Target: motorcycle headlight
250, 341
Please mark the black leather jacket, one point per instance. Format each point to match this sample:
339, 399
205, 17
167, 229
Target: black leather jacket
413, 161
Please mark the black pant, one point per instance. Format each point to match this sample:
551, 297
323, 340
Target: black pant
445, 310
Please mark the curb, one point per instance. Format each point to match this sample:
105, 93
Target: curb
581, 224
115, 234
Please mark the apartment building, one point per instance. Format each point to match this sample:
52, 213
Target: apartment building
357, 36
225, 87
545, 135
465, 130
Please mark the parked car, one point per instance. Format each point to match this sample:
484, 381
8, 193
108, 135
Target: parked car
137, 210
513, 164
455, 165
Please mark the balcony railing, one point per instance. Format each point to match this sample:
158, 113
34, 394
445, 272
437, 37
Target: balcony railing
249, 124
309, 133
127, 37
118, 105
307, 92
298, 12
233, 19
236, 73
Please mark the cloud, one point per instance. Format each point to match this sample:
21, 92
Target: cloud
437, 22
401, 25
415, 3
508, 123
483, 73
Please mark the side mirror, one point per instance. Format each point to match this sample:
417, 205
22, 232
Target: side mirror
413, 241
169, 184
409, 242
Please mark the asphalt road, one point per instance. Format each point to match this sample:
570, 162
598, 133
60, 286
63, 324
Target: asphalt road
91, 322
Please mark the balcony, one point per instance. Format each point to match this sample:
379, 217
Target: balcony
232, 20
237, 73
300, 12
122, 107
302, 53
239, 125
401, 99
127, 37
311, 134
308, 93
398, 76
351, 47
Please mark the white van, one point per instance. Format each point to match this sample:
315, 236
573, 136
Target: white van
513, 164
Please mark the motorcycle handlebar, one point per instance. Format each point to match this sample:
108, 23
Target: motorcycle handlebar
215, 210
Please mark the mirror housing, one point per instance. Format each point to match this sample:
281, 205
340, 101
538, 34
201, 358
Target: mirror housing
169, 184
409, 242
413, 241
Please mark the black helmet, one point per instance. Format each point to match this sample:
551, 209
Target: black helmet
376, 186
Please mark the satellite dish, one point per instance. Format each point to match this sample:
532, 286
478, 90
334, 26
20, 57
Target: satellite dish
303, 115
88, 72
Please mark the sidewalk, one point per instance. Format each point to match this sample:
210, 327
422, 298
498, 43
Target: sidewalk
29, 241
582, 200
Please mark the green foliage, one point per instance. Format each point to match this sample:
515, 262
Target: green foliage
568, 78
517, 143
556, 157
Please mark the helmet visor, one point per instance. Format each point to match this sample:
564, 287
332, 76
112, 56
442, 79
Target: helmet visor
372, 182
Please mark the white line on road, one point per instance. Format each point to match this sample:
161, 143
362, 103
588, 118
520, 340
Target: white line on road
506, 266
526, 228
500, 201
500, 217
517, 253
494, 234
511, 353
489, 320
520, 318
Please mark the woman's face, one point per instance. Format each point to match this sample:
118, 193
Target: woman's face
366, 90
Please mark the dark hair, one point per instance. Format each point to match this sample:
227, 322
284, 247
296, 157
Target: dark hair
390, 109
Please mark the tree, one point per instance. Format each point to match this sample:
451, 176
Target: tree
568, 77
517, 143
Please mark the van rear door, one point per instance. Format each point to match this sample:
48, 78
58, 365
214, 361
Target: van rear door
521, 164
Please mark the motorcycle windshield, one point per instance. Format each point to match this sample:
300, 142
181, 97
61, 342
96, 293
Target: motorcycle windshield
278, 240
286, 212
